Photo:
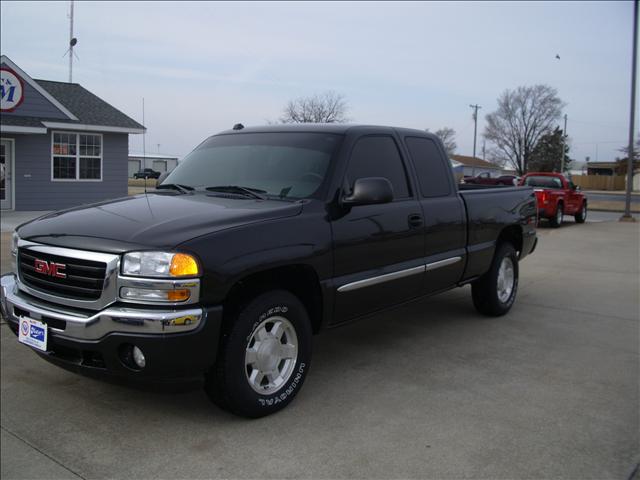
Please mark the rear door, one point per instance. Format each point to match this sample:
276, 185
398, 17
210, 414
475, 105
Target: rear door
444, 214
378, 249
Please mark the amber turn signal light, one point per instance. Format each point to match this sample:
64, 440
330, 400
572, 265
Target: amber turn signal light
178, 295
183, 265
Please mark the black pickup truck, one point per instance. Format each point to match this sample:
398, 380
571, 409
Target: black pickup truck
260, 238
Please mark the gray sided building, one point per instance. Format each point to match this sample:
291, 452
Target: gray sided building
158, 162
60, 145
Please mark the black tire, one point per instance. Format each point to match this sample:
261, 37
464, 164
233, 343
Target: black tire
581, 216
227, 384
556, 221
484, 291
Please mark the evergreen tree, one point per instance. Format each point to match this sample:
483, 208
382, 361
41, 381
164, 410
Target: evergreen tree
545, 156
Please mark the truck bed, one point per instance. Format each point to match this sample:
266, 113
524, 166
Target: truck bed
489, 209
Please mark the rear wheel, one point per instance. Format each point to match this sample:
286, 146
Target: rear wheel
556, 221
581, 216
494, 293
264, 358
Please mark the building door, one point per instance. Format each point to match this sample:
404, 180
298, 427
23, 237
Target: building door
134, 166
160, 166
6, 175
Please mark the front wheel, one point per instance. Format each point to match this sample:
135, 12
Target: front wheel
494, 293
264, 358
581, 216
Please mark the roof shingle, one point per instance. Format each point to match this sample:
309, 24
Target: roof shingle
89, 108
473, 161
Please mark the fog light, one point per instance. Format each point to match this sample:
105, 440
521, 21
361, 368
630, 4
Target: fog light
131, 356
138, 358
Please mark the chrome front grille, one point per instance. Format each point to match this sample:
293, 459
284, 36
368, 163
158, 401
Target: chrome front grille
89, 280
82, 279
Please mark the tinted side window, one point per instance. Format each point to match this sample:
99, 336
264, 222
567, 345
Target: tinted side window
378, 157
433, 174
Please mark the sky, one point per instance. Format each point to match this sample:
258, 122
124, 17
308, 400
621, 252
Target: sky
202, 67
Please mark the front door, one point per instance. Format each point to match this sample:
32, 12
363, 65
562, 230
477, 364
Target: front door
6, 175
378, 249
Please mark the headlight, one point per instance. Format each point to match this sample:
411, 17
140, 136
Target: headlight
159, 264
14, 243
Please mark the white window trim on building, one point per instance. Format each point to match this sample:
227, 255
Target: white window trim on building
77, 156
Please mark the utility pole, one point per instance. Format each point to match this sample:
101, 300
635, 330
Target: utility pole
627, 204
564, 136
475, 128
144, 138
72, 43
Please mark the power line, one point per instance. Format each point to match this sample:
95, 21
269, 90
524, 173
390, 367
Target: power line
597, 142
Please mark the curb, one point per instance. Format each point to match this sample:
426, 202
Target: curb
611, 211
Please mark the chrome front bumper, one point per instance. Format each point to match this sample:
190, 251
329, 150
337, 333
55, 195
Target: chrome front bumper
78, 324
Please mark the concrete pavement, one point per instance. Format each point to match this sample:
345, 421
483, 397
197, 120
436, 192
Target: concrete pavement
429, 390
10, 219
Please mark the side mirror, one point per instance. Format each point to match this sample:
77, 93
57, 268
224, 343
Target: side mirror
369, 191
162, 177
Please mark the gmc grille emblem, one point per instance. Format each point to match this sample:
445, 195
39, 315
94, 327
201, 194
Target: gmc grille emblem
50, 268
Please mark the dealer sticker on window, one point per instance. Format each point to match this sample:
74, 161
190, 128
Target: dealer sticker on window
33, 333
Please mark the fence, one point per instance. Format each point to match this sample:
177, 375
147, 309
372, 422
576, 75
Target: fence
600, 182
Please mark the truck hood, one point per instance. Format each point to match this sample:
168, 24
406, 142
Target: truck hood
155, 220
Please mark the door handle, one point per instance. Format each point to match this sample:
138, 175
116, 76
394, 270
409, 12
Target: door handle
415, 220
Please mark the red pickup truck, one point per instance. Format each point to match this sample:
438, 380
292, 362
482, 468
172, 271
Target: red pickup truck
557, 196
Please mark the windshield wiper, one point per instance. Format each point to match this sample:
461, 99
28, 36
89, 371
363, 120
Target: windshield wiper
176, 186
249, 192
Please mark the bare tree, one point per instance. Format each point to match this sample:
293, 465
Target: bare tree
448, 137
622, 163
636, 151
523, 116
327, 107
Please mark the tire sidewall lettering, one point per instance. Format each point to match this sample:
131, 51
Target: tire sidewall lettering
282, 396
284, 393
278, 309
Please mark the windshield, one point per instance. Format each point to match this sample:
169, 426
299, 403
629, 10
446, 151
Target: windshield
543, 182
278, 165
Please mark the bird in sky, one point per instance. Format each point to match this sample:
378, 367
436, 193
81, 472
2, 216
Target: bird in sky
557, 56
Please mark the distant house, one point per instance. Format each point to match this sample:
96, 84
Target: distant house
60, 145
610, 168
474, 166
158, 162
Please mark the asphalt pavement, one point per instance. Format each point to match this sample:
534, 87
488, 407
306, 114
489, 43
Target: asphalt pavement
428, 390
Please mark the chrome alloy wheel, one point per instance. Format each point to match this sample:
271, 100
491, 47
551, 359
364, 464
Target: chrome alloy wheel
559, 215
506, 279
271, 355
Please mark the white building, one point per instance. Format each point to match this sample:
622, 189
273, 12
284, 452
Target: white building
158, 162
473, 166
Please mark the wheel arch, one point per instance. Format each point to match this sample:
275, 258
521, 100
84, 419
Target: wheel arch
511, 234
298, 279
